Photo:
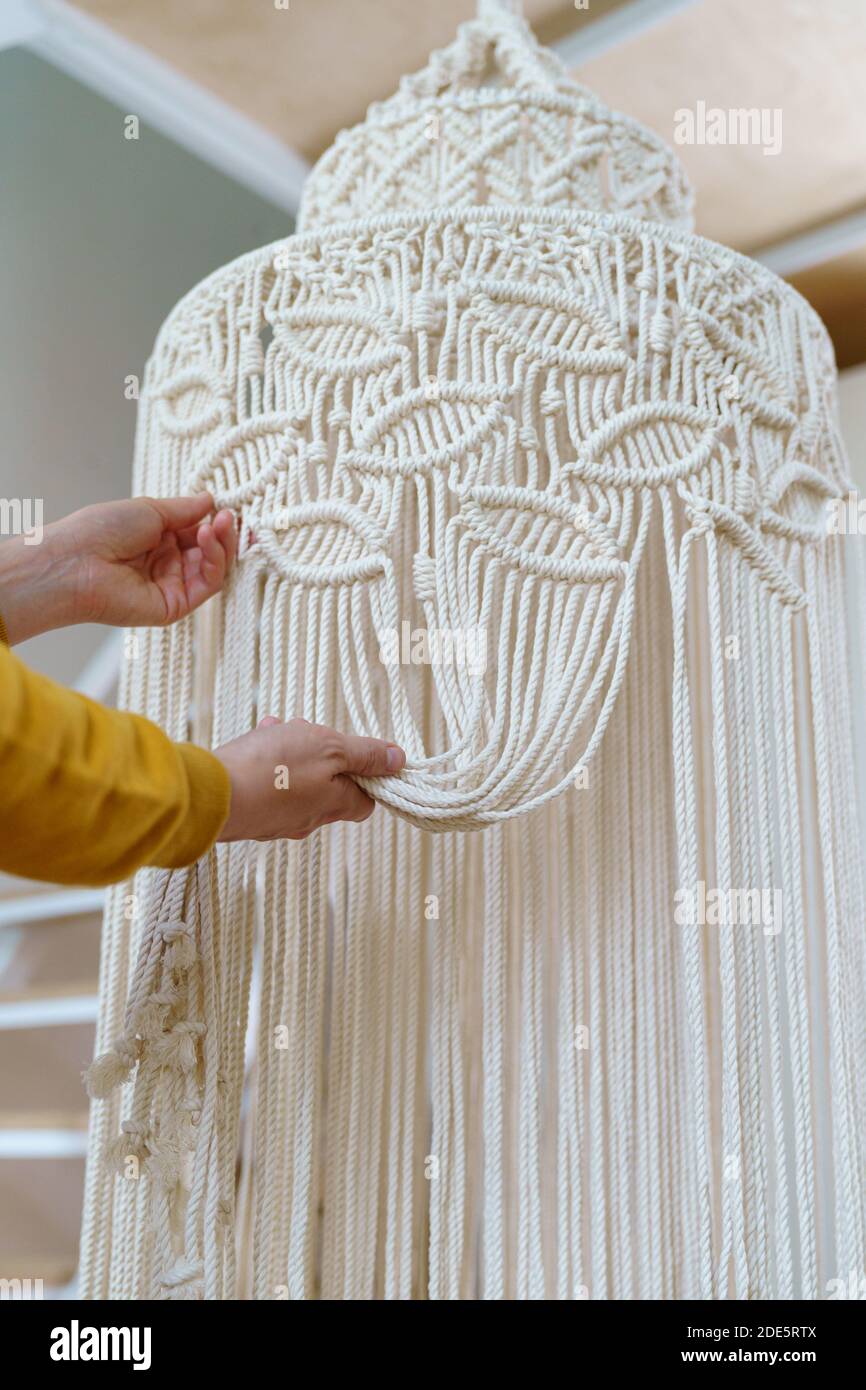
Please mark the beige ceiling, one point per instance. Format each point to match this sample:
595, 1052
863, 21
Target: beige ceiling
306, 71
807, 60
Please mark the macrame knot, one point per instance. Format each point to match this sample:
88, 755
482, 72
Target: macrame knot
528, 437
165, 997
179, 939
693, 332
339, 418
746, 498
133, 1142
252, 357
448, 269
184, 1281
128, 1050
424, 575
426, 317
552, 401
316, 451
698, 515
172, 931
136, 1132
469, 55
660, 333
134, 1127
164, 1162
149, 1019
645, 281
177, 1048
112, 1068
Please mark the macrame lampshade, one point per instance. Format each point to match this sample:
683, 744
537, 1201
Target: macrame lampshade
534, 481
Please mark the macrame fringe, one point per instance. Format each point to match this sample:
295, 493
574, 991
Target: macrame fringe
497, 1065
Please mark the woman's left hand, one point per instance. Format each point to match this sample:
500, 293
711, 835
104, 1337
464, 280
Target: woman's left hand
139, 563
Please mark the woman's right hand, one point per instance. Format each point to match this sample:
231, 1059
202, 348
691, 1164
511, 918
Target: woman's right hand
289, 779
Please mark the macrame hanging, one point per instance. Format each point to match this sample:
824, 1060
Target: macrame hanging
534, 481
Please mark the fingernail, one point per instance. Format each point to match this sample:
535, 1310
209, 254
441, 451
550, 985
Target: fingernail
394, 758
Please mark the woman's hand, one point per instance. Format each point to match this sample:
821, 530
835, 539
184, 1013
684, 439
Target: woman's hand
139, 563
290, 779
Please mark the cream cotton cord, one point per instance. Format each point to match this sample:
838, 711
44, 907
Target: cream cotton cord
469, 1049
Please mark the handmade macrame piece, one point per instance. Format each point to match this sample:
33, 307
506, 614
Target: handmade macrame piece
534, 481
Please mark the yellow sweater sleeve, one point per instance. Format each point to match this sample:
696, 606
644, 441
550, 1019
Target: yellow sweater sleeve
90, 794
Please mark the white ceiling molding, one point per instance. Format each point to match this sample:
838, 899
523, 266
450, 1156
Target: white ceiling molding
820, 244
619, 26
47, 907
143, 86
49, 1012
43, 1143
19, 23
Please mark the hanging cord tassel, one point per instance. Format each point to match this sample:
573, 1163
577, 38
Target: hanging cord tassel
164, 1038
113, 1067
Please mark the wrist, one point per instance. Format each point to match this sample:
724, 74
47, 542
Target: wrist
231, 828
35, 592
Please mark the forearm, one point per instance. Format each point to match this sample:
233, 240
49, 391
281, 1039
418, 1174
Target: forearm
36, 591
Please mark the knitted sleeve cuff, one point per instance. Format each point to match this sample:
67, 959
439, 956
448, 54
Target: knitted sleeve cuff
209, 801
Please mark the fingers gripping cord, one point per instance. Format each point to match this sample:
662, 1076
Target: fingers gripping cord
163, 1044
